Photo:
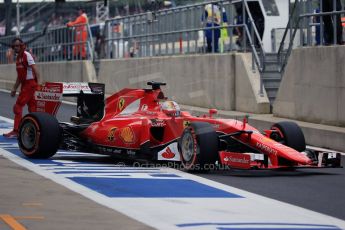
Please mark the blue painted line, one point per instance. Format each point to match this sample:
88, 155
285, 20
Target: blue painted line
97, 171
152, 188
107, 176
159, 186
257, 225
5, 140
164, 175
297, 228
100, 168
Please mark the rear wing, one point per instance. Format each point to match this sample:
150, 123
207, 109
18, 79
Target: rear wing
74, 89
90, 98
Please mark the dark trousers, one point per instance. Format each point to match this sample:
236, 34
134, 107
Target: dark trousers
209, 39
327, 6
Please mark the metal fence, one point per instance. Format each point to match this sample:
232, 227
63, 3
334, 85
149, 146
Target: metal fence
181, 31
53, 44
307, 27
175, 31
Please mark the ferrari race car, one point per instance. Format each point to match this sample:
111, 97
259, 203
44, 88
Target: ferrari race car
144, 124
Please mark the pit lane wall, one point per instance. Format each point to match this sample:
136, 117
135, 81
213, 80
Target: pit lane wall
72, 71
313, 86
211, 81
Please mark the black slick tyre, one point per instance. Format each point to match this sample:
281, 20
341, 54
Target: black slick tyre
198, 147
291, 135
39, 135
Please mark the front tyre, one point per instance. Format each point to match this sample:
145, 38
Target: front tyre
198, 147
289, 134
39, 135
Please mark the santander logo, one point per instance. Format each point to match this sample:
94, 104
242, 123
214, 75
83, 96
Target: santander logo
47, 96
168, 154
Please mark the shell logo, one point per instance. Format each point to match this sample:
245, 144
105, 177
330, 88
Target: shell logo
127, 135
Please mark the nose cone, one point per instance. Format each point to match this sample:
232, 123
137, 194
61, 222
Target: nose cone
305, 160
297, 157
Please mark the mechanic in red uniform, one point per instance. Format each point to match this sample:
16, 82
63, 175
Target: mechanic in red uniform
28, 77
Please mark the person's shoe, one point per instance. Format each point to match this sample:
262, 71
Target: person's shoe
12, 134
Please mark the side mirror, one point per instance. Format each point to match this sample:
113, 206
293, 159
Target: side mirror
212, 112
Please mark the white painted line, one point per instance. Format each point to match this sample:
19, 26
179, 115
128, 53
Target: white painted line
6, 119
152, 211
6, 91
167, 213
97, 197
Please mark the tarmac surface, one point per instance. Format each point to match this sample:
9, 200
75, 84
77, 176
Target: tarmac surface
320, 190
30, 200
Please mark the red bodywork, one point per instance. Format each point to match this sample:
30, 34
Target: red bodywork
135, 125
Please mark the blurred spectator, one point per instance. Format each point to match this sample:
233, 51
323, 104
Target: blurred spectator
134, 49
100, 46
316, 19
10, 56
240, 20
327, 6
79, 49
213, 17
343, 25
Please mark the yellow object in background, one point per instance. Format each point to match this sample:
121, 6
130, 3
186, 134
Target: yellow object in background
223, 37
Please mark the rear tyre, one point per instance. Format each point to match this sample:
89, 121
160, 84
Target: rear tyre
39, 135
198, 147
289, 134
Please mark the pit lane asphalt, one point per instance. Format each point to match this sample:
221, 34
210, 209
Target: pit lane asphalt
320, 190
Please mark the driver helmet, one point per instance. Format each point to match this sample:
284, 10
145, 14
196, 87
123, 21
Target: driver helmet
171, 108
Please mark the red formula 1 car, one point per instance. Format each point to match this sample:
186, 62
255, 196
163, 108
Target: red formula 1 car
144, 124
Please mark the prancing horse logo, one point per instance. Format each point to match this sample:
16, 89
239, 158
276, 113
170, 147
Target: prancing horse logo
121, 104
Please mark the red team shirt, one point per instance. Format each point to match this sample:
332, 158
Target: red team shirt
23, 66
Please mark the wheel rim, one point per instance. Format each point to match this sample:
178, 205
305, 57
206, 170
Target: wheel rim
188, 147
28, 135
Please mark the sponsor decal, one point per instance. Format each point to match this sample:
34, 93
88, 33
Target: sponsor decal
266, 148
186, 124
108, 150
111, 134
168, 154
150, 113
157, 123
51, 88
236, 160
127, 135
131, 152
121, 104
73, 87
46, 96
267, 140
41, 104
116, 151
144, 107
